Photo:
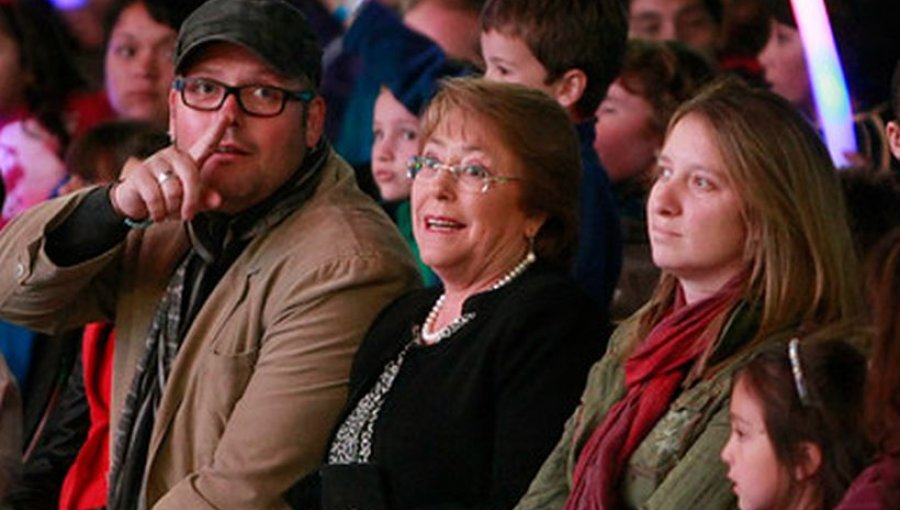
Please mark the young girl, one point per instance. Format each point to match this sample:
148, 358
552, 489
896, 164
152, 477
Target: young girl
796, 426
42, 103
395, 130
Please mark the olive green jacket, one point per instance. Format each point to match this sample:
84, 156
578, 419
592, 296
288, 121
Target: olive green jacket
677, 466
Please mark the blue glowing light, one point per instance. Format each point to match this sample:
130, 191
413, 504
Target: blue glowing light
67, 5
827, 78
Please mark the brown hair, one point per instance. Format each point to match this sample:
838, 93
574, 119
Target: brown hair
98, 155
665, 74
713, 7
170, 13
800, 263
461, 5
883, 393
833, 375
588, 35
537, 131
48, 64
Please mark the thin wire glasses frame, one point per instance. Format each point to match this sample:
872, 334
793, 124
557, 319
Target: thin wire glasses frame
473, 178
256, 100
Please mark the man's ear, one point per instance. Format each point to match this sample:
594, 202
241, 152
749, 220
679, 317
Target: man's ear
569, 88
893, 135
315, 120
810, 460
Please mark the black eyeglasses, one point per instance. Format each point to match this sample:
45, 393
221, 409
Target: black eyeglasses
256, 100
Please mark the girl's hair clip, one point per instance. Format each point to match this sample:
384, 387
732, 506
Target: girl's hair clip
797, 370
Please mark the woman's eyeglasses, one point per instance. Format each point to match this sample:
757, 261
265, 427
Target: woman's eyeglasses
472, 178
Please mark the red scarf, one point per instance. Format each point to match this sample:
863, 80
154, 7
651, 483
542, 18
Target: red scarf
653, 374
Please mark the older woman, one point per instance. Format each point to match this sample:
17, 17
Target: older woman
457, 394
747, 223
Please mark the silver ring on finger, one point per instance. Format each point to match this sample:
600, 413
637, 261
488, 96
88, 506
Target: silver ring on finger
164, 176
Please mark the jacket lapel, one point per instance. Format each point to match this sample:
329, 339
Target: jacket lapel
212, 317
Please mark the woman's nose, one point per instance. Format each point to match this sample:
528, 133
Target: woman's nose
145, 63
442, 185
663, 199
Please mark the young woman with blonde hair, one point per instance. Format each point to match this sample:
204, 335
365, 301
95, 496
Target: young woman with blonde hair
747, 223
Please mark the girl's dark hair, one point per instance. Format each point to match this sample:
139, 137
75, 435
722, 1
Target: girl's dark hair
830, 416
171, 13
883, 392
45, 51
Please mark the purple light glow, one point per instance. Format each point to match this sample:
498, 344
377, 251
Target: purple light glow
827, 78
67, 5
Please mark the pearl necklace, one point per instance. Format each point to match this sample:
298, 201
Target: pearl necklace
427, 338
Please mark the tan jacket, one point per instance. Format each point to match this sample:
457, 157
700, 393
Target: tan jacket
262, 372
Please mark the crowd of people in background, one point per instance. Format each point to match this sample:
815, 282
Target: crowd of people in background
409, 254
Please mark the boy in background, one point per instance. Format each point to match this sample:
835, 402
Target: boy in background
573, 52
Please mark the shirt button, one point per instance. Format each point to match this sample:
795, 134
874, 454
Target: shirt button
20, 270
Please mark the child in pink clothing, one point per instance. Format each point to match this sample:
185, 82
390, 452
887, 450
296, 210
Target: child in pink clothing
41, 103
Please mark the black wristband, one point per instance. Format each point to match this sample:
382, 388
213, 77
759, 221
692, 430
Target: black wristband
129, 222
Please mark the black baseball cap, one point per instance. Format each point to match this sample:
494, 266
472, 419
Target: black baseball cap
274, 30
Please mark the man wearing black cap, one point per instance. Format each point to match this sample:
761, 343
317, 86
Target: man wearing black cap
241, 266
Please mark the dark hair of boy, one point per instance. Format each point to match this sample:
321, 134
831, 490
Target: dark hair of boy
99, 154
665, 74
588, 35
